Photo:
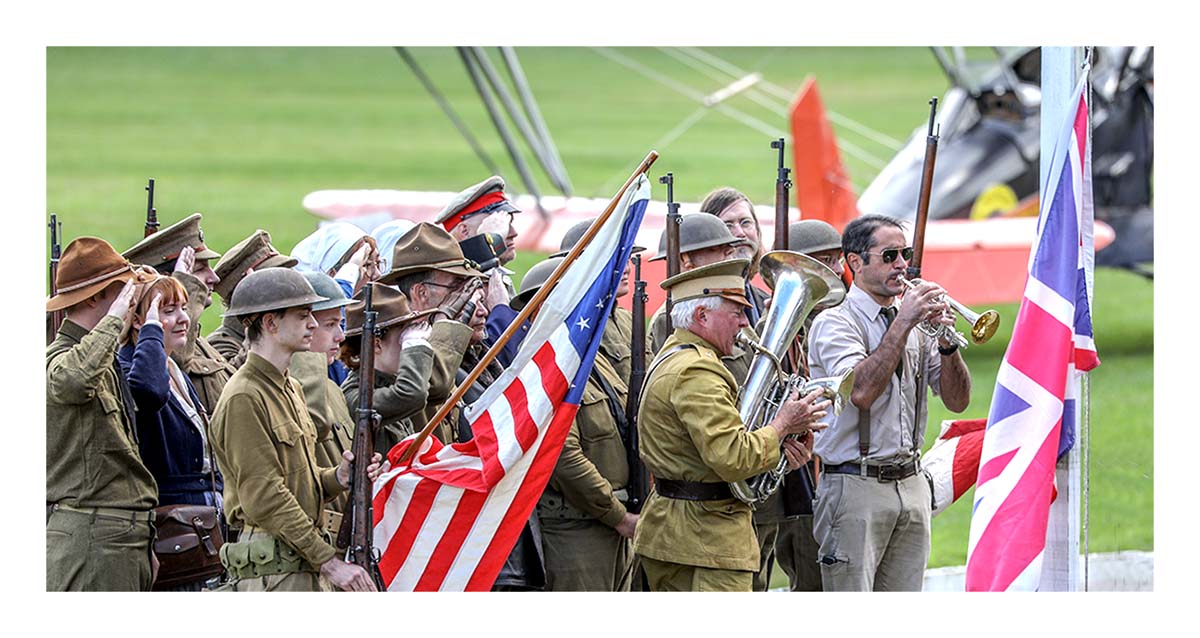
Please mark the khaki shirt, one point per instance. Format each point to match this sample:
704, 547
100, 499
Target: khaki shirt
92, 455
398, 397
328, 410
689, 429
450, 340
593, 461
207, 369
229, 340
265, 444
835, 345
617, 342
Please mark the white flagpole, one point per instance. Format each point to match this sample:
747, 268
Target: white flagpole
1060, 560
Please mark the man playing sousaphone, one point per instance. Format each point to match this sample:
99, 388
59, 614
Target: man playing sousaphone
693, 535
872, 509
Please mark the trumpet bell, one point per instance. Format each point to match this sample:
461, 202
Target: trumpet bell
984, 326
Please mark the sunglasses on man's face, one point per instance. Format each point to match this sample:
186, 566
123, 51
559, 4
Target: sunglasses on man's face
889, 255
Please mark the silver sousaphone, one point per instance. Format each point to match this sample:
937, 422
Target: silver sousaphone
799, 285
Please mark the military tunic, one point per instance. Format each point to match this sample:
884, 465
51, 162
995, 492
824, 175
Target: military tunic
398, 397
449, 340
265, 441
329, 412
689, 429
229, 339
92, 461
580, 507
207, 369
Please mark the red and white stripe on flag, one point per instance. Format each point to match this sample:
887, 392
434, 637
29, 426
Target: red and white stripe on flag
448, 520
1052, 338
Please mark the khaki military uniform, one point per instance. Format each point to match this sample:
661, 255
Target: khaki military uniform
398, 397
99, 495
582, 503
330, 414
207, 369
450, 340
229, 339
689, 430
265, 442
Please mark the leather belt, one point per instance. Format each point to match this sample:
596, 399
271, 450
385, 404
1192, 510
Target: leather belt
692, 490
892, 472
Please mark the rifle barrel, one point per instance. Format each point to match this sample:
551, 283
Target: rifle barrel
931, 144
782, 185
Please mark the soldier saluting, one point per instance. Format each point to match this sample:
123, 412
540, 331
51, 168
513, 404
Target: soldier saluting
693, 535
266, 442
100, 497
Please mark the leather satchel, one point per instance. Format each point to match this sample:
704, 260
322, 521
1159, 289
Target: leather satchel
188, 544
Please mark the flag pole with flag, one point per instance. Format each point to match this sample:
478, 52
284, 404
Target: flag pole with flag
447, 520
1031, 421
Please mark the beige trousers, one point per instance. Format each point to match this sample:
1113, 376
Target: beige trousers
873, 536
664, 576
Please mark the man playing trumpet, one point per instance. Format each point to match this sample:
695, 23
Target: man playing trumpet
872, 509
693, 535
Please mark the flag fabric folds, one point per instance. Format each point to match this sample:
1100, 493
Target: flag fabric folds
953, 461
448, 520
1032, 412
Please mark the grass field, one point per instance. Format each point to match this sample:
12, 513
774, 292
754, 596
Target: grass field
242, 135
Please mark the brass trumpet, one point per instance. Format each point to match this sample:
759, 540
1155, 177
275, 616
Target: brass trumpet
983, 325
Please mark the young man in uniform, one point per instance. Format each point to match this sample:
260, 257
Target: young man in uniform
873, 502
100, 497
693, 535
265, 442
179, 251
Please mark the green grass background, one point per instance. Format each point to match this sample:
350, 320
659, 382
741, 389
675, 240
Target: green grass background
243, 134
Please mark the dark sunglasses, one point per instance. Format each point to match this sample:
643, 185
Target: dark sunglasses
889, 255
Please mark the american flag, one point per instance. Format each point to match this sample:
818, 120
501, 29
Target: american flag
1032, 411
448, 520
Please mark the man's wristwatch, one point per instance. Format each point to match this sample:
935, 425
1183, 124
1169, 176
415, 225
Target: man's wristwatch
945, 352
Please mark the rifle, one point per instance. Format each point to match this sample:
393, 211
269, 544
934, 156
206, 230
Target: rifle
151, 212
674, 219
782, 184
639, 479
931, 143
55, 318
357, 532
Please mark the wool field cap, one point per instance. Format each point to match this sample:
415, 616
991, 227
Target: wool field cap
391, 304
428, 247
485, 197
699, 230
87, 266
254, 252
725, 279
533, 280
575, 233
813, 235
270, 290
325, 286
165, 245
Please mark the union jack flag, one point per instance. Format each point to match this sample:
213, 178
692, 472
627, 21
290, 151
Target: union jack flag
1032, 412
448, 520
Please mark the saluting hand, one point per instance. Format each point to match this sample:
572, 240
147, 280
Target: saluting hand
152, 311
186, 260
120, 306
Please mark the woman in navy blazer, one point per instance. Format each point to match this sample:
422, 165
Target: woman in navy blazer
171, 426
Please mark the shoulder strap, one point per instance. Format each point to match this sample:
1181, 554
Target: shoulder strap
864, 414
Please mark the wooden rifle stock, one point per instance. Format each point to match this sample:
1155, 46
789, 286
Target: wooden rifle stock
55, 318
151, 212
931, 144
357, 531
782, 185
674, 219
639, 480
